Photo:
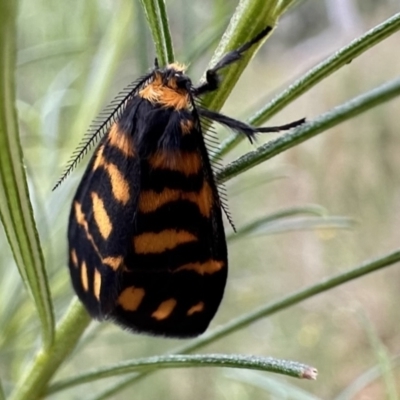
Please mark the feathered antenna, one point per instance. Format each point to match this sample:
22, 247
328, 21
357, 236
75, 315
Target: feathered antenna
101, 125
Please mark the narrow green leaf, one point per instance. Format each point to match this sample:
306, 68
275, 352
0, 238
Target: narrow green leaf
15, 208
158, 23
34, 383
266, 364
325, 121
327, 67
269, 309
169, 49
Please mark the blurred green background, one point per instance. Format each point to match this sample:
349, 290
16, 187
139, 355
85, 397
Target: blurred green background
74, 56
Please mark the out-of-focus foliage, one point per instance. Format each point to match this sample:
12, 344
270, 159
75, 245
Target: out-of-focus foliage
73, 56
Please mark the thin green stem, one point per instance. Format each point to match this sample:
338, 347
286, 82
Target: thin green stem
337, 115
266, 364
267, 310
158, 23
169, 49
34, 383
337, 60
16, 211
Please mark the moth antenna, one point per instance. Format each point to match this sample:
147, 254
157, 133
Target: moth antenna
100, 126
235, 55
212, 77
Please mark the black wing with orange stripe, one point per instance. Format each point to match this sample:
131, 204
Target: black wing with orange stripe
146, 234
146, 239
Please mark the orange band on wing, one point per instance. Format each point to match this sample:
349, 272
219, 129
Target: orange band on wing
209, 267
167, 239
150, 200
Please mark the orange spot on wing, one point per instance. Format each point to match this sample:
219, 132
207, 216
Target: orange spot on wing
97, 284
99, 160
188, 163
74, 258
80, 218
165, 309
150, 200
113, 262
100, 216
119, 185
199, 307
84, 277
131, 298
209, 267
121, 141
150, 242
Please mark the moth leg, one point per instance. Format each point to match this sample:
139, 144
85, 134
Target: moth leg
242, 127
212, 77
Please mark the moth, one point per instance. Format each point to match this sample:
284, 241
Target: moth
147, 246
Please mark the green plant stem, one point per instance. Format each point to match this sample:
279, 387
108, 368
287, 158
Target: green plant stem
169, 49
337, 115
267, 310
158, 22
15, 208
337, 60
34, 383
266, 364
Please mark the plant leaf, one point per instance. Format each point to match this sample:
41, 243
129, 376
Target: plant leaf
266, 364
15, 208
158, 23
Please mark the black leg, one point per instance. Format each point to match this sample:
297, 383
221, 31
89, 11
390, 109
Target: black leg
241, 127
